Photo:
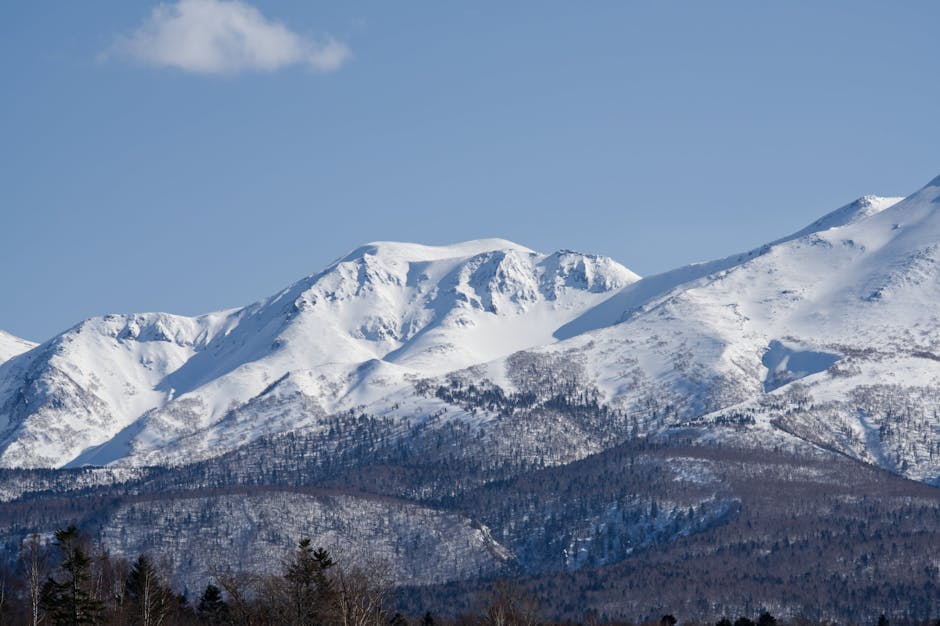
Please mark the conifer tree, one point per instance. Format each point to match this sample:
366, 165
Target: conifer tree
310, 589
212, 608
149, 598
68, 600
766, 619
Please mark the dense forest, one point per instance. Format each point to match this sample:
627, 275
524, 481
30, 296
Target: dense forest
70, 581
698, 522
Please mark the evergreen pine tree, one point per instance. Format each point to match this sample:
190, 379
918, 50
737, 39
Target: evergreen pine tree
310, 589
68, 601
149, 598
212, 608
766, 619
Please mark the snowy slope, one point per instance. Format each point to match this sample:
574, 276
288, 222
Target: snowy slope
677, 330
618, 306
832, 335
385, 314
11, 346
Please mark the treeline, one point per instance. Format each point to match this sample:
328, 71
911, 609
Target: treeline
72, 582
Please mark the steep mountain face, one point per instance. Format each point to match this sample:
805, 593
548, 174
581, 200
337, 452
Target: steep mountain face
830, 335
11, 346
131, 385
835, 340
731, 341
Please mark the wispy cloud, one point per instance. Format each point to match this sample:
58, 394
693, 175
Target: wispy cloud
224, 37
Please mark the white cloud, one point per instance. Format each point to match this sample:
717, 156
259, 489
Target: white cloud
224, 37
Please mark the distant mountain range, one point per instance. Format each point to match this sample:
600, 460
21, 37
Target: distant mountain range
838, 317
478, 383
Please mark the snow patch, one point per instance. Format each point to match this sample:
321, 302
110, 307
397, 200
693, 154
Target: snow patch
786, 363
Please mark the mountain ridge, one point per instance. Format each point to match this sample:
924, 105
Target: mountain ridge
401, 304
389, 318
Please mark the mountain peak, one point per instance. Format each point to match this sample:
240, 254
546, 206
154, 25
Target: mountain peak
10, 346
860, 209
420, 252
137, 383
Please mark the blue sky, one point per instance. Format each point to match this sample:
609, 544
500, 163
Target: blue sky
189, 160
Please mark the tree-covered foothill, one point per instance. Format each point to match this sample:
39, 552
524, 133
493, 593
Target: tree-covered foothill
87, 586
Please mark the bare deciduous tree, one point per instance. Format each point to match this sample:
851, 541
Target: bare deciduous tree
509, 605
361, 594
238, 585
36, 563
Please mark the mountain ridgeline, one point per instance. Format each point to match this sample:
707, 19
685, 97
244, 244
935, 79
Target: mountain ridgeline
755, 432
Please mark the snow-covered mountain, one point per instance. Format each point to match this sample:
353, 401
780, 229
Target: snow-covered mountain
11, 346
830, 335
827, 336
384, 315
483, 410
